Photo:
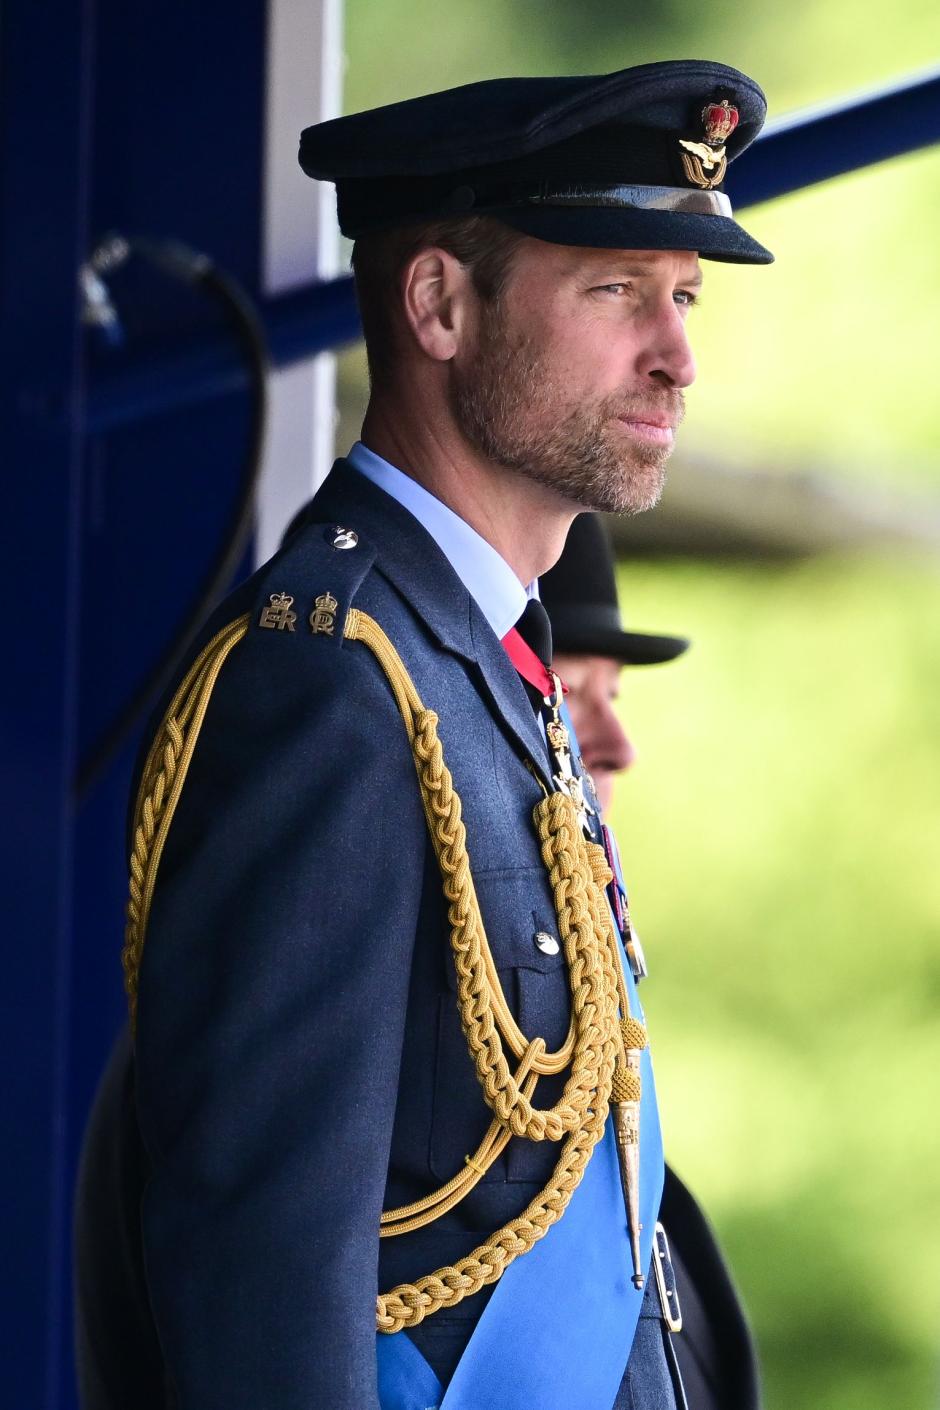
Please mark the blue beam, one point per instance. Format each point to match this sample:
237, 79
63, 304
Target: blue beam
821, 143
297, 325
796, 152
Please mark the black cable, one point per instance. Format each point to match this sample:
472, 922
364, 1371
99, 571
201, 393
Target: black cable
195, 268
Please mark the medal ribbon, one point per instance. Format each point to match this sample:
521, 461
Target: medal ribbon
528, 665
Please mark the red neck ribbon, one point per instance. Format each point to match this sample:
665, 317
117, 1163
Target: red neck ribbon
528, 665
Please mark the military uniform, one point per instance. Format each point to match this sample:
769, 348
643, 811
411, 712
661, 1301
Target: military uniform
300, 1062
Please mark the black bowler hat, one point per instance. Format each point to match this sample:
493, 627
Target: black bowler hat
580, 597
629, 160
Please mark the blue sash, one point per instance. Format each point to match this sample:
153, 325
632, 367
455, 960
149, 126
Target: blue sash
558, 1329
406, 1381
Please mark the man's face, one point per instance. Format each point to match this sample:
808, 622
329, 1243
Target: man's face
606, 749
574, 376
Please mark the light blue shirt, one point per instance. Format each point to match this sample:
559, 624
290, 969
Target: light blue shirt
484, 573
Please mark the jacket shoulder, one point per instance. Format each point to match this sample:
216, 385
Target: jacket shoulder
290, 615
309, 585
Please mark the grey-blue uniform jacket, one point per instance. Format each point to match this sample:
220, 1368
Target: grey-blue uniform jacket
300, 1063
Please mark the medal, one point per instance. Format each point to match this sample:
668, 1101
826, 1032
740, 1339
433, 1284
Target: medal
559, 743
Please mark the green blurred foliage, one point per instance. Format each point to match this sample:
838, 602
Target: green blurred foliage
826, 359
804, 52
780, 837
780, 830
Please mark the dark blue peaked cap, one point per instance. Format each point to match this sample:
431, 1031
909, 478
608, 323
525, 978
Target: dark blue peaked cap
628, 160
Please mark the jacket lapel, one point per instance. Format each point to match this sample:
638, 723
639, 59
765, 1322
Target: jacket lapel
507, 693
409, 558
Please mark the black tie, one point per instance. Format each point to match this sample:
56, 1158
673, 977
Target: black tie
536, 631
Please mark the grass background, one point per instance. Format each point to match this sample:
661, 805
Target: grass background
780, 836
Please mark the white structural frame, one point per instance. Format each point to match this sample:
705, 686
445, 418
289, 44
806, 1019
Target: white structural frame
300, 243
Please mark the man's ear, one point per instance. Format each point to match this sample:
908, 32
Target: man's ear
436, 292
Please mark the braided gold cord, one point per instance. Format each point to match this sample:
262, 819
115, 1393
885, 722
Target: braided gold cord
578, 872
477, 981
408, 1304
409, 1217
161, 784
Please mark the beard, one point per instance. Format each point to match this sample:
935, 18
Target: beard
516, 409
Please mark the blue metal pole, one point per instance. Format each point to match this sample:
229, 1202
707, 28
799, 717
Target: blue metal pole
821, 143
297, 325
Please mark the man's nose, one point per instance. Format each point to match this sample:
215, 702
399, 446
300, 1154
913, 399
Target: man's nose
616, 746
667, 357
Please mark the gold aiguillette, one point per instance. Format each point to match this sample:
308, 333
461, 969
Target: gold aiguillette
625, 1109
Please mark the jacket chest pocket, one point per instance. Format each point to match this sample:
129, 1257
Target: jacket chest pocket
522, 930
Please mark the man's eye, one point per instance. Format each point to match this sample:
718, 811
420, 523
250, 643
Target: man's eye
686, 297
614, 288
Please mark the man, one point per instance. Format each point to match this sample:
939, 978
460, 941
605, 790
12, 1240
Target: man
715, 1352
375, 980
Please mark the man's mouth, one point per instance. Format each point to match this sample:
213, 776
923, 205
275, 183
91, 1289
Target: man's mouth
657, 429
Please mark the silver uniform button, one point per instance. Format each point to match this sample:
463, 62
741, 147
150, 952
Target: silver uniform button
546, 943
345, 538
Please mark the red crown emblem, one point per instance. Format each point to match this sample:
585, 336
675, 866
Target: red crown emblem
720, 120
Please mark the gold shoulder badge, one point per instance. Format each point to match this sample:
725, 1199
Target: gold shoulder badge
323, 615
705, 163
277, 616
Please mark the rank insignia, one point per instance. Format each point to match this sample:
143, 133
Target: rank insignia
277, 616
323, 616
705, 163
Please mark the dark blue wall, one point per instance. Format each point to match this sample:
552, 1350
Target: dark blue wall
146, 118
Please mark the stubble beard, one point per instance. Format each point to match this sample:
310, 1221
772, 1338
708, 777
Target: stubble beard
513, 408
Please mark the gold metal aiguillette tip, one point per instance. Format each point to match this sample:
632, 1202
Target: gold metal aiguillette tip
627, 1133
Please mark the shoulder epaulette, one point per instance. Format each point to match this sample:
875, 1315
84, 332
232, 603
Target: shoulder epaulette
309, 586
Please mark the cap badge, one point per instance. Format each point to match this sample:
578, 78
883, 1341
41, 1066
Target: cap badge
720, 120
705, 163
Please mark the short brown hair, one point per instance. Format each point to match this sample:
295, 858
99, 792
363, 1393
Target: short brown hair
483, 245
